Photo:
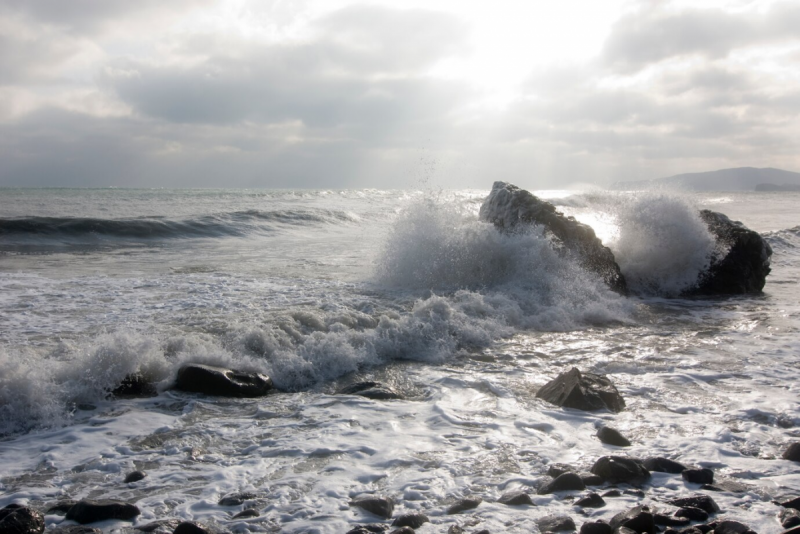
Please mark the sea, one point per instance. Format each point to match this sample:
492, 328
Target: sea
319, 289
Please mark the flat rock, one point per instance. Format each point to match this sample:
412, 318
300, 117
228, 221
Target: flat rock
596, 527
467, 503
135, 476
611, 436
374, 504
218, 381
414, 520
564, 482
590, 500
555, 523
698, 476
639, 519
18, 519
792, 452
371, 390
743, 266
508, 207
90, 511
582, 391
515, 498
698, 500
663, 465
620, 469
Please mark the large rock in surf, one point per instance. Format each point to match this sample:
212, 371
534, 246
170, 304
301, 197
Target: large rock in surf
585, 391
742, 267
508, 206
89, 511
210, 380
18, 519
620, 469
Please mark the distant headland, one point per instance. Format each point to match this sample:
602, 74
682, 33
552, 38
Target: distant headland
737, 179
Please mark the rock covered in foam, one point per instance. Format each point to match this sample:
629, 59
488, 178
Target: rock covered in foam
508, 206
743, 267
585, 391
210, 380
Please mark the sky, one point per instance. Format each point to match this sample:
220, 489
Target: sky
393, 94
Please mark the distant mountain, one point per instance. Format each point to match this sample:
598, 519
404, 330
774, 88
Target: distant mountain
738, 179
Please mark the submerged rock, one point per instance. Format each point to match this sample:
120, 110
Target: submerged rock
585, 391
704, 502
414, 520
555, 523
236, 499
564, 482
92, 511
371, 390
210, 380
742, 267
167, 525
508, 207
135, 476
467, 503
246, 514
380, 506
133, 386
611, 436
515, 498
664, 465
698, 476
18, 519
620, 469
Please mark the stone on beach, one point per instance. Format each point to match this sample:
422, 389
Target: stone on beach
210, 380
582, 391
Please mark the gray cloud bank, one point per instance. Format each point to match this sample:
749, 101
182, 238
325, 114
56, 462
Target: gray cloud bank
356, 102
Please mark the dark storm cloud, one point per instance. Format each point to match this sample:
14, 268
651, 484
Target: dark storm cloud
653, 35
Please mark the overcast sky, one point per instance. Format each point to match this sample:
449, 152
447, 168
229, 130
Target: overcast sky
393, 93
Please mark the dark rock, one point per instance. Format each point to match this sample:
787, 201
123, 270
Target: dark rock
591, 500
596, 527
508, 207
728, 485
698, 476
371, 390
18, 519
484, 531
611, 436
134, 386
745, 265
592, 480
219, 381
60, 508
235, 499
190, 527
663, 465
585, 391
789, 517
403, 530
467, 503
794, 502
555, 523
624, 530
638, 519
135, 476
692, 513
620, 469
670, 520
795, 530
732, 527
414, 520
555, 470
92, 511
698, 500
613, 493
515, 498
246, 514
74, 529
380, 506
367, 529
792, 452
635, 492
564, 482
455, 529
161, 524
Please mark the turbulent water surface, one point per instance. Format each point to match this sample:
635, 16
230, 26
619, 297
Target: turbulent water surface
319, 289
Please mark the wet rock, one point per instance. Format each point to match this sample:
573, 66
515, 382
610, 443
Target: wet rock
698, 476
218, 381
732, 527
134, 386
403, 530
612, 493
590, 500
585, 391
371, 390
455, 529
639, 519
794, 502
624, 530
89, 511
794, 530
743, 268
792, 452
515, 498
484, 531
380, 506
60, 508
555, 470
190, 527
236, 499
789, 517
611, 436
367, 529
670, 520
663, 465
592, 480
166, 525
246, 514
75, 529
596, 527
555, 523
414, 520
135, 476
620, 469
699, 500
635, 492
18, 519
564, 482
692, 513
467, 503
730, 486
508, 207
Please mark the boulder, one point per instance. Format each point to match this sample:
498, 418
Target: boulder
557, 469
728, 485
135, 476
18, 519
564, 482
585, 391
693, 513
639, 519
210, 380
371, 390
515, 498
508, 207
414, 520
663, 465
611, 436
467, 503
620, 469
792, 452
190, 527
699, 500
590, 500
742, 266
596, 527
698, 476
732, 527
555, 523
89, 511
380, 506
